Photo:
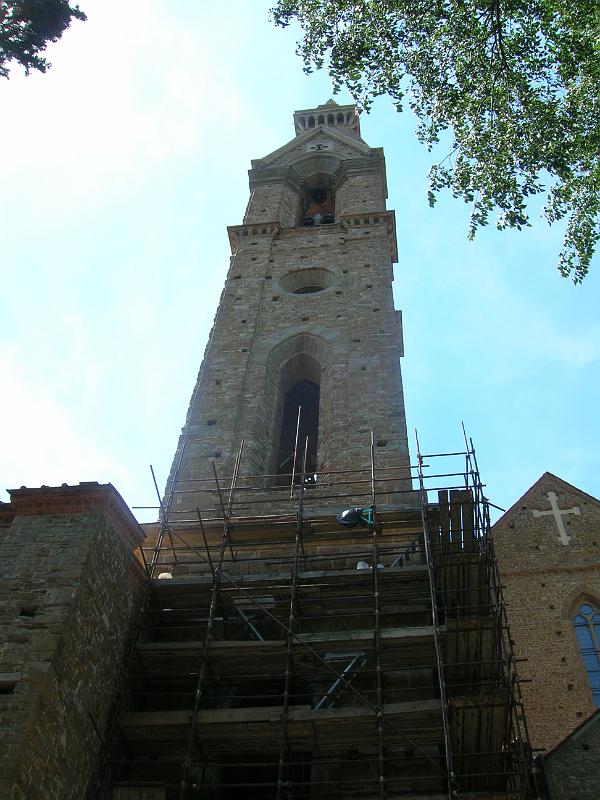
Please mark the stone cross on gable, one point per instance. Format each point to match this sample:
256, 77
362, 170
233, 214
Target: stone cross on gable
557, 513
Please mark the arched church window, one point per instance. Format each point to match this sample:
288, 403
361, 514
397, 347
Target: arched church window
587, 630
299, 388
311, 122
340, 119
321, 119
330, 119
304, 396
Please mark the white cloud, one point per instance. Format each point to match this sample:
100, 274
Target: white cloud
131, 86
42, 442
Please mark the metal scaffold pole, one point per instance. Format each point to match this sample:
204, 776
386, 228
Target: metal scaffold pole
375, 530
289, 663
214, 599
451, 780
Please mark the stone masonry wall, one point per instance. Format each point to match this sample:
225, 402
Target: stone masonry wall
360, 193
572, 770
70, 587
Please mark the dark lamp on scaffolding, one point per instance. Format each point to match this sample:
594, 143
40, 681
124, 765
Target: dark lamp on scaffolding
352, 517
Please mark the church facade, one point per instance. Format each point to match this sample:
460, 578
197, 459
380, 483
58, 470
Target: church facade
547, 549
314, 614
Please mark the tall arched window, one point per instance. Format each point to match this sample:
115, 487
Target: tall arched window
297, 374
300, 380
587, 630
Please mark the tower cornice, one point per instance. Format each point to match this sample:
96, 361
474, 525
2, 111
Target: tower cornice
237, 233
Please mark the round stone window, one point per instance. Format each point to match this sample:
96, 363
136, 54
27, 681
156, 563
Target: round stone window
311, 280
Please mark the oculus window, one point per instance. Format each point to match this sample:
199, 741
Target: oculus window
310, 280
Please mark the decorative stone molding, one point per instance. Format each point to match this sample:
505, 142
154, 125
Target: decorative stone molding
86, 496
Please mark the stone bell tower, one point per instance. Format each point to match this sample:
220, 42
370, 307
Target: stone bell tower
259, 644
314, 628
306, 319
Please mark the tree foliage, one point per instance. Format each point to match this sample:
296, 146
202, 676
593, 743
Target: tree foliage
515, 82
26, 27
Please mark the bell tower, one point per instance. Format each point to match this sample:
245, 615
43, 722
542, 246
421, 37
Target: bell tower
300, 624
313, 626
306, 320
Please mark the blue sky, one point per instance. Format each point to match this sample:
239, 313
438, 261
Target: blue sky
121, 169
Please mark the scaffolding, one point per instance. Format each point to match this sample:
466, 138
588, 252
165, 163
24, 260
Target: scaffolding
279, 654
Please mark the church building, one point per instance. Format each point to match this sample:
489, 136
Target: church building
315, 614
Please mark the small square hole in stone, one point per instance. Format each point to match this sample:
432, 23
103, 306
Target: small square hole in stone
217, 454
28, 611
7, 684
218, 381
211, 421
382, 443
